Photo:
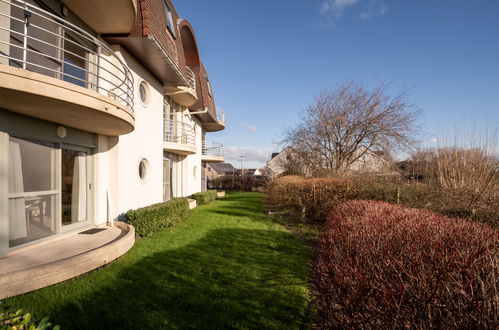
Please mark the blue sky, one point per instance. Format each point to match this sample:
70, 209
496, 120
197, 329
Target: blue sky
267, 59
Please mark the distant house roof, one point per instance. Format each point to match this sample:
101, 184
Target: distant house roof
222, 168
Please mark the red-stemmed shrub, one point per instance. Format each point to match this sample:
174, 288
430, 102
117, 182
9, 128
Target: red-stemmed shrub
385, 266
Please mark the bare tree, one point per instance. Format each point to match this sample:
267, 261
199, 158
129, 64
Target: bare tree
345, 124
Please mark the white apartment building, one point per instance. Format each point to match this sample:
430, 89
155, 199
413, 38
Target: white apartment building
104, 107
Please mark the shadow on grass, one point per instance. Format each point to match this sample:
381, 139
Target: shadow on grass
231, 278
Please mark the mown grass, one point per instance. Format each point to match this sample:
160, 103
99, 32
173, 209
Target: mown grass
226, 266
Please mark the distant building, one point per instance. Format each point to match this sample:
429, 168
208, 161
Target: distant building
215, 170
277, 165
259, 171
372, 162
287, 162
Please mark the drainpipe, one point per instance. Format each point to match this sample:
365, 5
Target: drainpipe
199, 112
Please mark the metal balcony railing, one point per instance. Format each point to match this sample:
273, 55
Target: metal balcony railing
213, 149
181, 133
191, 79
220, 115
36, 40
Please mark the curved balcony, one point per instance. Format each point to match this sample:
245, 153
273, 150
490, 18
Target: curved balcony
184, 95
179, 138
215, 120
213, 152
105, 16
52, 70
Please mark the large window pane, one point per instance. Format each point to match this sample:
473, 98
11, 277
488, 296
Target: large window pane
32, 194
74, 62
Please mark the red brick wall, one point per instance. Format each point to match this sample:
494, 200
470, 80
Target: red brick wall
152, 21
208, 101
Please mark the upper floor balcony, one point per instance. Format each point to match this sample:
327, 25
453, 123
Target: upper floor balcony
212, 152
53, 70
179, 138
184, 95
105, 16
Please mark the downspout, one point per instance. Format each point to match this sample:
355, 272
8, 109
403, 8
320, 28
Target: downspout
199, 112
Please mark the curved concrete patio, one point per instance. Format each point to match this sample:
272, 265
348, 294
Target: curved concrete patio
60, 259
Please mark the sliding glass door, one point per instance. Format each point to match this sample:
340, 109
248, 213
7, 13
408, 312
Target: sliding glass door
74, 187
49, 189
33, 190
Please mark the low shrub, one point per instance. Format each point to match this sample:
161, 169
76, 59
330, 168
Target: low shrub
385, 266
205, 197
239, 182
10, 319
151, 219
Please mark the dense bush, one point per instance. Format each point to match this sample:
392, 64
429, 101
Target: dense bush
285, 192
151, 219
385, 266
239, 182
10, 319
448, 201
205, 197
411, 194
312, 197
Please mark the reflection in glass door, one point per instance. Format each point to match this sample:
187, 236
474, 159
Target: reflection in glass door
33, 191
74, 186
167, 193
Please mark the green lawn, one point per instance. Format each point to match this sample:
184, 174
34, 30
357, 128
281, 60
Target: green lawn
226, 266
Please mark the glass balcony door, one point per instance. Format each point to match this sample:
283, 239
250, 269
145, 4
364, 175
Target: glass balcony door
49, 189
75, 188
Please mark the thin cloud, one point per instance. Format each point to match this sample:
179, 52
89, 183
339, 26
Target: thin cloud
330, 11
234, 154
249, 127
374, 8
336, 6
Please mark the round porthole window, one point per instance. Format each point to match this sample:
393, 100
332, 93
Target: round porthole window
144, 93
143, 169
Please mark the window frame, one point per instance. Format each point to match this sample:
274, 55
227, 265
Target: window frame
170, 25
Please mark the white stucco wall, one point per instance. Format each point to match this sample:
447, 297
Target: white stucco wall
146, 141
118, 185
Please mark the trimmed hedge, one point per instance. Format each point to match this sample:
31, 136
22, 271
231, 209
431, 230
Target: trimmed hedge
239, 182
205, 197
151, 219
385, 266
